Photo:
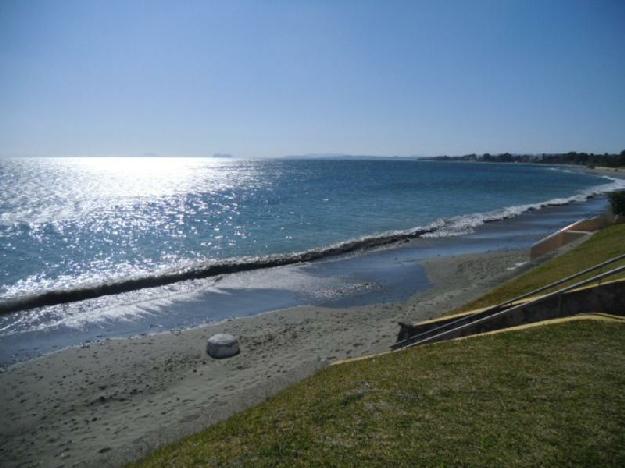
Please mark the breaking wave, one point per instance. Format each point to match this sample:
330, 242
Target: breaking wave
454, 226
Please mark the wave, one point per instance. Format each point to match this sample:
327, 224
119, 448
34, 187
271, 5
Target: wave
455, 226
201, 270
465, 224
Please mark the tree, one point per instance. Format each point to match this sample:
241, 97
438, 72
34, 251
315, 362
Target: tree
617, 202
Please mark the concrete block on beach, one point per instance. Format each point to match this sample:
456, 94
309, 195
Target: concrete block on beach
222, 345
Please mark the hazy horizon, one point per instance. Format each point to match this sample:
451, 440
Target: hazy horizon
328, 156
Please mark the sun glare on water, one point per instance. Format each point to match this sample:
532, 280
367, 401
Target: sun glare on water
137, 177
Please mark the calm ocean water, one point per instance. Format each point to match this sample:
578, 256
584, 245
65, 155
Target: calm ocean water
82, 221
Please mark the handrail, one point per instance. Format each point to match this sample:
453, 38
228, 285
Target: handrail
472, 317
564, 280
520, 306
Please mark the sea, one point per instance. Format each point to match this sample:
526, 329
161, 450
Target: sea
93, 248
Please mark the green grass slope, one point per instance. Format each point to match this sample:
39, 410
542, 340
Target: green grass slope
550, 395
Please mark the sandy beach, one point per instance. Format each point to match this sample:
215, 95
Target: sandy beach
616, 172
113, 401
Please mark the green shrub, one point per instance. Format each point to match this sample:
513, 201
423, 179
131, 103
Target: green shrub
617, 202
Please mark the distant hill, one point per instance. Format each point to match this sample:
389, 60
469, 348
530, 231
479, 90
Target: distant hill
341, 156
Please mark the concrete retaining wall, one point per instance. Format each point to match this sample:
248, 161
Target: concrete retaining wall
607, 298
555, 241
574, 231
591, 224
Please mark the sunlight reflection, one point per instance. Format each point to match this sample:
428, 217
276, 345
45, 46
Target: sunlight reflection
153, 176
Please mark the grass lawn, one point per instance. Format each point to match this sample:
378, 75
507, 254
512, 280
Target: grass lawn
549, 395
604, 245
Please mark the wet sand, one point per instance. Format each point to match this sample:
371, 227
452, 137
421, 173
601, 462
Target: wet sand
114, 401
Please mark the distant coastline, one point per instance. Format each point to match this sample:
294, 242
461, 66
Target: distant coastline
591, 160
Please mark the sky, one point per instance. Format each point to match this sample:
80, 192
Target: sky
274, 78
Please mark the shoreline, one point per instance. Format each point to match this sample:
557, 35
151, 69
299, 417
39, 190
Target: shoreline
113, 401
616, 172
100, 403
377, 276
361, 245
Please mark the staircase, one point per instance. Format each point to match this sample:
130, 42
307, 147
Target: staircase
576, 298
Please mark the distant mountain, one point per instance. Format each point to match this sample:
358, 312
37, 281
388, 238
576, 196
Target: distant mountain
341, 156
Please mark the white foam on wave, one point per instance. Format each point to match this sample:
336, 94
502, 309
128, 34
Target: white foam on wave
466, 224
150, 302
127, 306
443, 227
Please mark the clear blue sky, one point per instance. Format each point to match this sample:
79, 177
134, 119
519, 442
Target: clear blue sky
269, 78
